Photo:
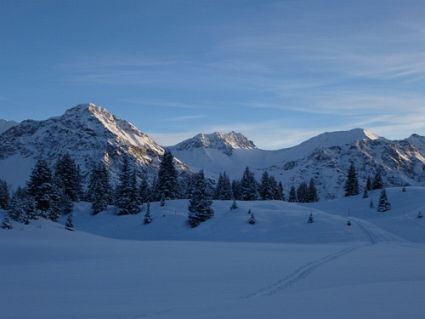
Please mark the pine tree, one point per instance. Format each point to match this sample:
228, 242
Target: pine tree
148, 217
99, 188
199, 205
236, 190
234, 205
68, 172
266, 190
302, 192
383, 202
144, 191
310, 219
251, 219
292, 195
280, 195
127, 190
369, 186
69, 225
377, 181
4, 195
167, 178
312, 192
248, 186
6, 224
22, 207
351, 184
40, 186
223, 190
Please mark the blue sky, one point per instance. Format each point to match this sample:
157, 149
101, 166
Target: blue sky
277, 71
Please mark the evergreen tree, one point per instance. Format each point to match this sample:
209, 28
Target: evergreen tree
99, 188
167, 178
69, 225
22, 207
236, 190
251, 219
280, 195
312, 195
127, 190
310, 219
40, 185
69, 174
369, 186
6, 224
266, 189
248, 186
302, 192
199, 205
383, 202
148, 217
223, 190
292, 195
234, 205
4, 195
144, 191
377, 181
351, 184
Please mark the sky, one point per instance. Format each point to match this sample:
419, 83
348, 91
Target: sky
277, 71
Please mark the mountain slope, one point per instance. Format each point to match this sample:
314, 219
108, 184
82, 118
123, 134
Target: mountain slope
325, 158
5, 125
89, 133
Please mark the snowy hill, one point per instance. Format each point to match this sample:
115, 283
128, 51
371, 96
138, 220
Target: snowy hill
5, 125
89, 133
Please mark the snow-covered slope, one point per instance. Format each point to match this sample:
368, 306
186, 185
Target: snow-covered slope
89, 133
5, 125
325, 158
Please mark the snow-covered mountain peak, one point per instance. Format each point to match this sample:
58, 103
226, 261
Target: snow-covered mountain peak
225, 142
5, 125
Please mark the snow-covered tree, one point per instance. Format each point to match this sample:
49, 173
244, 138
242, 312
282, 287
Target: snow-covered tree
351, 184
236, 190
251, 219
266, 189
223, 190
4, 195
148, 218
99, 188
377, 181
167, 183
6, 224
279, 194
69, 225
312, 195
383, 202
310, 219
40, 185
302, 193
248, 186
144, 191
127, 201
234, 205
68, 173
199, 208
369, 185
292, 195
22, 207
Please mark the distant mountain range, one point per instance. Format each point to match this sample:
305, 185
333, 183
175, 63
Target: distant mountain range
90, 134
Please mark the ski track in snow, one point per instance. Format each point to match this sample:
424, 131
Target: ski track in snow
301, 273
374, 235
